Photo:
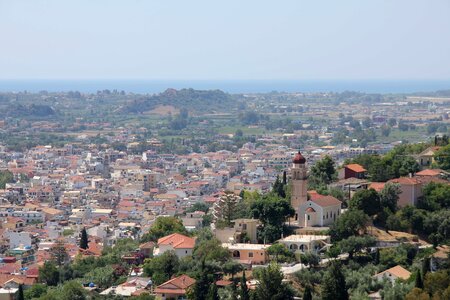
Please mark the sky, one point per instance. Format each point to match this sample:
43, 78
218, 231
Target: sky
225, 40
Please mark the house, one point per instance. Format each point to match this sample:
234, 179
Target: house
426, 157
175, 288
182, 245
250, 254
411, 190
394, 273
306, 243
243, 230
319, 211
354, 171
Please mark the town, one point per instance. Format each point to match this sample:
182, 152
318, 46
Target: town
192, 194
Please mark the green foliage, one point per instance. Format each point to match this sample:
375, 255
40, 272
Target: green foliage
103, 277
244, 292
49, 273
281, 253
5, 177
355, 244
310, 259
70, 290
271, 285
322, 173
350, 223
333, 284
164, 226
198, 206
35, 291
272, 211
367, 201
307, 294
278, 188
389, 196
84, 239
436, 196
209, 248
161, 268
395, 291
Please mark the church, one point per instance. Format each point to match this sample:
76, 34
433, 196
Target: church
313, 210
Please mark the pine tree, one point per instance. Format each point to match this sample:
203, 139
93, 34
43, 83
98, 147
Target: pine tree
84, 239
244, 288
333, 284
307, 294
419, 281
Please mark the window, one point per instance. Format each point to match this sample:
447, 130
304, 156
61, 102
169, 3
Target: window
250, 254
309, 217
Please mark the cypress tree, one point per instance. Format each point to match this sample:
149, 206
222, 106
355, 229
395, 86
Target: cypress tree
284, 178
244, 289
307, 294
20, 295
84, 239
419, 281
333, 285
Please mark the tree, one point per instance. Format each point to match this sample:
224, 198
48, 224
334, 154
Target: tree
354, 244
333, 284
225, 208
20, 295
84, 243
164, 226
272, 211
307, 294
5, 177
213, 292
59, 254
49, 274
352, 222
244, 292
442, 158
278, 188
280, 251
389, 196
366, 200
200, 289
161, 268
35, 291
419, 281
385, 130
271, 285
323, 172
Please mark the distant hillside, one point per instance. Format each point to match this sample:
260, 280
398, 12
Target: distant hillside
193, 100
29, 110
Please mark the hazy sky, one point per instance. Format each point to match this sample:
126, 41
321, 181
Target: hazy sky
229, 39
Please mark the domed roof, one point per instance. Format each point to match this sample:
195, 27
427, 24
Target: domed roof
299, 159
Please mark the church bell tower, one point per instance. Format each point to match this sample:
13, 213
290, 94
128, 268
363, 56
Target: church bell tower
299, 179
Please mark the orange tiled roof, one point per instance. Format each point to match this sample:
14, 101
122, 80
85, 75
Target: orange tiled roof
377, 186
397, 271
356, 168
177, 241
325, 201
429, 172
177, 285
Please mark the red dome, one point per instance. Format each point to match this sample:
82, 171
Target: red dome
299, 159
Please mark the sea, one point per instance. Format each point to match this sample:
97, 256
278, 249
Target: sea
229, 86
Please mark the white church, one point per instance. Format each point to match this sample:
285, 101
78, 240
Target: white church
314, 210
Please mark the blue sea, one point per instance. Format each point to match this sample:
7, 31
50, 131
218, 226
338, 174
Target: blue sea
230, 86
